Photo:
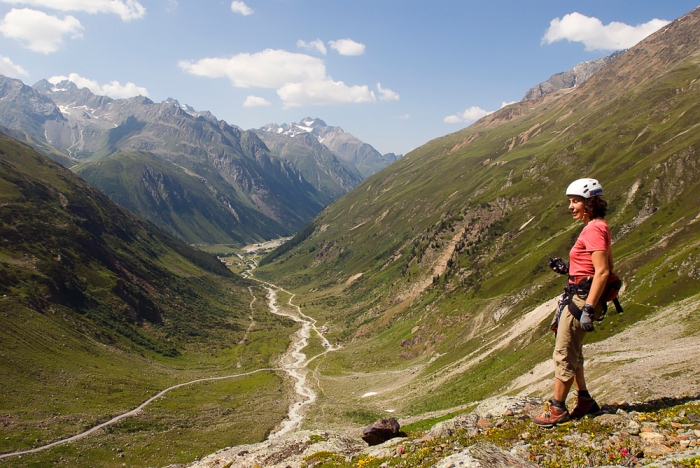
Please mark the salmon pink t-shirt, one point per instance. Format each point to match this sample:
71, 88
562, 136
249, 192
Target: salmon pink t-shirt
595, 236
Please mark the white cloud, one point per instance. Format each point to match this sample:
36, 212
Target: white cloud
126, 9
113, 89
504, 103
266, 69
8, 68
469, 115
403, 117
323, 92
40, 32
386, 94
240, 7
299, 79
317, 44
118, 91
347, 47
255, 101
590, 31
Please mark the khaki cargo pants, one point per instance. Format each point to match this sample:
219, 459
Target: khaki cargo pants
568, 349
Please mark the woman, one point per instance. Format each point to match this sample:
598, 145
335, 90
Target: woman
589, 267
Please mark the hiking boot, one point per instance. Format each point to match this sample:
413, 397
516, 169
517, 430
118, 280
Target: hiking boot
584, 406
552, 416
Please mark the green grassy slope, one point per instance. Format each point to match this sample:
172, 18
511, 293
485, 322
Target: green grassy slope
100, 311
193, 208
489, 199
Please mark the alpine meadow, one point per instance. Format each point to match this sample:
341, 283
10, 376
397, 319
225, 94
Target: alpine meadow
176, 291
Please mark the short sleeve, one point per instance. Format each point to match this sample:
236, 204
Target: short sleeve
596, 237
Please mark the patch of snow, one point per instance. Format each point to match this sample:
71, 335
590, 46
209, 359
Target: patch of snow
368, 394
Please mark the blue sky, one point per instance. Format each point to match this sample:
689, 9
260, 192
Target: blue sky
395, 73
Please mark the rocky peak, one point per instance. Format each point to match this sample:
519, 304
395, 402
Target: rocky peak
571, 78
189, 109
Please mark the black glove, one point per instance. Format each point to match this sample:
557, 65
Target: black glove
559, 265
587, 318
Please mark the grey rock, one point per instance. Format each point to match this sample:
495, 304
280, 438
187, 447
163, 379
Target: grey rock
483, 455
282, 452
633, 427
386, 449
571, 78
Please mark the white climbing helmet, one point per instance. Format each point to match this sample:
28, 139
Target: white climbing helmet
585, 188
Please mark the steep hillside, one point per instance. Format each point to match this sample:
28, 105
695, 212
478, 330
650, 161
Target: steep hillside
63, 119
327, 173
184, 204
99, 309
434, 268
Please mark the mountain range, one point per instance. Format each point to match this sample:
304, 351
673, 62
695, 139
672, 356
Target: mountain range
345, 146
211, 183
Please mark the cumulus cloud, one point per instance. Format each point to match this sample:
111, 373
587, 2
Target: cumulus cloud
266, 69
386, 94
299, 79
37, 30
504, 103
240, 7
317, 45
113, 89
255, 101
323, 92
116, 90
470, 115
590, 31
8, 68
126, 9
347, 47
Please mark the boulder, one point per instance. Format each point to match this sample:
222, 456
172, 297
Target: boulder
381, 431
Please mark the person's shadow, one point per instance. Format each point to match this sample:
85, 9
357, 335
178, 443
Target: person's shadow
654, 405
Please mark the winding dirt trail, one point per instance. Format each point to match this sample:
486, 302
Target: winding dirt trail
128, 414
293, 362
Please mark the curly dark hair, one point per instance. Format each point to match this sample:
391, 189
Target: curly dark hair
596, 207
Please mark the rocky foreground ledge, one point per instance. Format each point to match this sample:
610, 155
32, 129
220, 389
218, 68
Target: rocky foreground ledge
664, 433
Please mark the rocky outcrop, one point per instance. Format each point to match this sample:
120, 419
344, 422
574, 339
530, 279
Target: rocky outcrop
284, 452
571, 78
483, 455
